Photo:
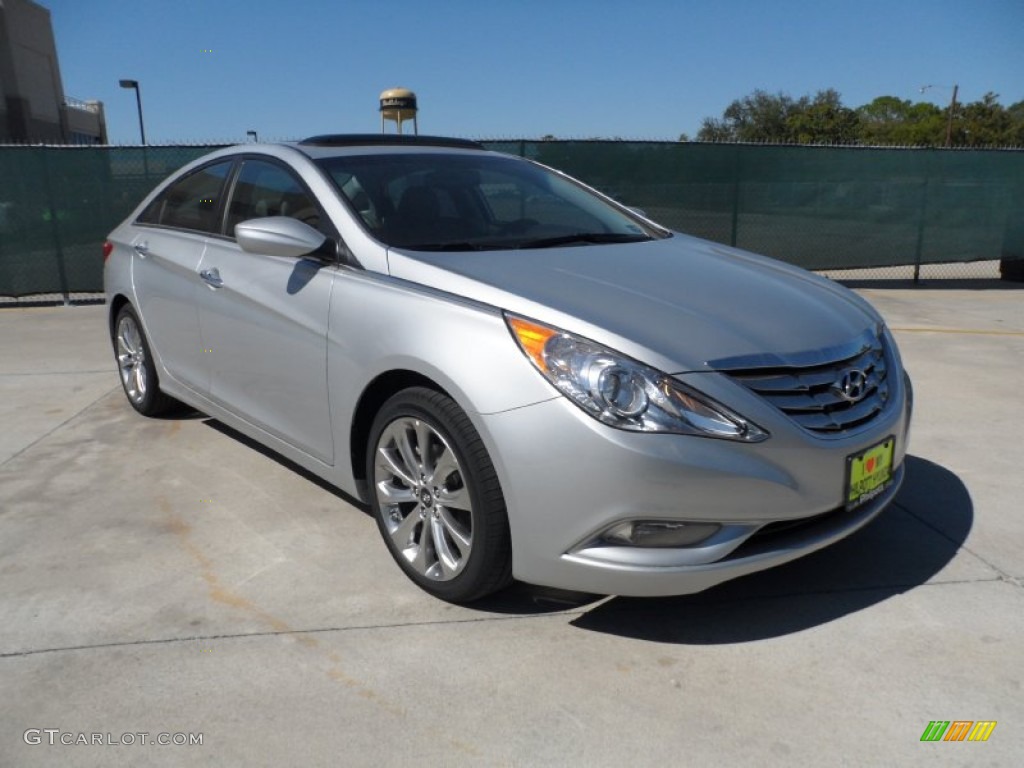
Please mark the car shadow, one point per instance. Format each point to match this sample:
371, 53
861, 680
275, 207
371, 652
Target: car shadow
519, 598
906, 545
304, 271
530, 599
247, 441
179, 412
911, 541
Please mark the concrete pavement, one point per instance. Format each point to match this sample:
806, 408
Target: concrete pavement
168, 576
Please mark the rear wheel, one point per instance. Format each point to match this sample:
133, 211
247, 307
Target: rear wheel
135, 365
436, 497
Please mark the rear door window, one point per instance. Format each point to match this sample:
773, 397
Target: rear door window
192, 202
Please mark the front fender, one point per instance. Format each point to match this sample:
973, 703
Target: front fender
379, 324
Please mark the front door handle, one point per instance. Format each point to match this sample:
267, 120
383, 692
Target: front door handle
211, 277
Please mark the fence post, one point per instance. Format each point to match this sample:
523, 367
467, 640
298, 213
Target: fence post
921, 212
735, 195
51, 204
1011, 262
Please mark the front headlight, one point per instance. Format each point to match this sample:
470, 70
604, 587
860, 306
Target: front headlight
623, 393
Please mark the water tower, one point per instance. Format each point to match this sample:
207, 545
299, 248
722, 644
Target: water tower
398, 104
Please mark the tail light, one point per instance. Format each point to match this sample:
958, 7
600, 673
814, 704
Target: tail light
108, 247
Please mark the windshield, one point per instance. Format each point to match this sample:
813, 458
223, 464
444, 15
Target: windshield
460, 202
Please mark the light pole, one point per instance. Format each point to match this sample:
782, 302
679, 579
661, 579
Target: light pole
952, 109
142, 130
138, 101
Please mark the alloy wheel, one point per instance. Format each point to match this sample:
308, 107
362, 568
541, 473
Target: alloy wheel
131, 359
423, 498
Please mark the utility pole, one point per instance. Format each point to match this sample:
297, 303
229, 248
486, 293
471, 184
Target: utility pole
952, 109
949, 123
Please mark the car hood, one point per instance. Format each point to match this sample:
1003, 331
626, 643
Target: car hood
680, 304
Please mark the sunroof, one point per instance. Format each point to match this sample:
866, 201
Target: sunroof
391, 139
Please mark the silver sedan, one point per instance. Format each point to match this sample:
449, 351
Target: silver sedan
520, 376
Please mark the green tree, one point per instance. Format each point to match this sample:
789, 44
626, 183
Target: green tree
885, 121
715, 130
889, 120
778, 117
987, 123
1016, 134
823, 120
761, 116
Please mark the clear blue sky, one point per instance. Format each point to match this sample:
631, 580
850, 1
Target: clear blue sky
649, 69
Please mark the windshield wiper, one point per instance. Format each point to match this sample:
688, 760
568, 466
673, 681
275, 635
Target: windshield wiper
585, 237
460, 245
543, 242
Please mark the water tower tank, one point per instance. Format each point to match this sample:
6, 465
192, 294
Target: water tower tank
398, 104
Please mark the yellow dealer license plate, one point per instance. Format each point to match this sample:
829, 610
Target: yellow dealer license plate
869, 473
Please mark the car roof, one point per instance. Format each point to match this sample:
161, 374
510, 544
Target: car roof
337, 145
330, 145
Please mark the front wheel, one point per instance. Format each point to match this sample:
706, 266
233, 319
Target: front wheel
436, 497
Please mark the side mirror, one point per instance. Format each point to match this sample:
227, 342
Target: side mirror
278, 236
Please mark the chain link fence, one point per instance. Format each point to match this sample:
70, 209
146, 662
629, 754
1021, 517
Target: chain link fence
838, 209
57, 205
848, 211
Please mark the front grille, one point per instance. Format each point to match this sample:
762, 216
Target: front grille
811, 396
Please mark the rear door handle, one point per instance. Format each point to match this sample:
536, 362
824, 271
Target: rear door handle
211, 277
142, 248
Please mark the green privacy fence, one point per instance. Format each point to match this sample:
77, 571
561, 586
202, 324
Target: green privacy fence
818, 207
57, 205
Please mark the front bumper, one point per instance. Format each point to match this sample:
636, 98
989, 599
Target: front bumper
567, 477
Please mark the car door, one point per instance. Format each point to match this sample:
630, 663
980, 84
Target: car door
170, 236
263, 318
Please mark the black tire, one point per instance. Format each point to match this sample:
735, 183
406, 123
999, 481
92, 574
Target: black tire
459, 573
135, 365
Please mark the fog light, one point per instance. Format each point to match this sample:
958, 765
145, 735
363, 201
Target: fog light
659, 533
